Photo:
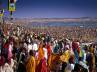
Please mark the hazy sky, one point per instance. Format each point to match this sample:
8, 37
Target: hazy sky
54, 8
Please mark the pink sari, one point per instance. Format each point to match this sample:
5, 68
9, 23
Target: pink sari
42, 67
9, 53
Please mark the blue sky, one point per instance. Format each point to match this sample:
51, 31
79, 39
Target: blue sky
54, 8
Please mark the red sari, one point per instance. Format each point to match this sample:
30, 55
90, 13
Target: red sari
49, 52
44, 65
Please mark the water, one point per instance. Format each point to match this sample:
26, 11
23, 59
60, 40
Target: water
58, 24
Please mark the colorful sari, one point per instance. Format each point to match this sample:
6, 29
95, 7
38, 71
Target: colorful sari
41, 62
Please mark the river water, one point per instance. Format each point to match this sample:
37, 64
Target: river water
58, 24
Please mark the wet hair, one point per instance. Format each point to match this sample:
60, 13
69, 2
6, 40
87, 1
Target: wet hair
31, 53
80, 59
23, 58
71, 59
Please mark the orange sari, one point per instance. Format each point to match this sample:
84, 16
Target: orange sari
40, 54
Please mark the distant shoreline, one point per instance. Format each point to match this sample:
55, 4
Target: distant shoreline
29, 20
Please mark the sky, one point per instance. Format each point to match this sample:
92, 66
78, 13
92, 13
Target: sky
53, 8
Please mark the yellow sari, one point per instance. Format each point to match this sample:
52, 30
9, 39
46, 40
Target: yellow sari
65, 57
30, 67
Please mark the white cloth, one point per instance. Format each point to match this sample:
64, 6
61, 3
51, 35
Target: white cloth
36, 55
29, 47
6, 68
95, 51
71, 52
84, 57
25, 45
83, 64
45, 53
2, 69
11, 46
29, 40
10, 51
69, 68
12, 63
35, 47
67, 46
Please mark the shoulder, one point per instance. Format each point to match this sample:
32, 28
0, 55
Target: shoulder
32, 58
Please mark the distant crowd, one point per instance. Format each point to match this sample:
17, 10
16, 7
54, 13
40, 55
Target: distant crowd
28, 50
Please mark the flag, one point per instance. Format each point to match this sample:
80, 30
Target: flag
12, 5
1, 12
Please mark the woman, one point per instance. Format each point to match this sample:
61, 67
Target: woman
30, 66
21, 62
42, 63
65, 59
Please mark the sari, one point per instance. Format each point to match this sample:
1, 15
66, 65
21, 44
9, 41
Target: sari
49, 54
65, 57
42, 66
30, 66
41, 62
40, 54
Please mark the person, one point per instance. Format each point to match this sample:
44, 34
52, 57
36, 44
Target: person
2, 60
85, 67
6, 68
56, 47
35, 48
89, 60
40, 53
95, 52
76, 50
49, 52
42, 62
42, 66
80, 66
10, 51
29, 47
30, 66
70, 65
21, 62
65, 58
5, 51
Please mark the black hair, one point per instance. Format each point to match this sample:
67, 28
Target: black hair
31, 53
80, 58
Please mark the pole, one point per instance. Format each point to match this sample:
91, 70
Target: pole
11, 16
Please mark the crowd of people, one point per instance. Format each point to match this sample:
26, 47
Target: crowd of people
22, 50
84, 34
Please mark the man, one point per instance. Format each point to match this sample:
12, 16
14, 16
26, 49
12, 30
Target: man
21, 62
95, 52
80, 66
30, 66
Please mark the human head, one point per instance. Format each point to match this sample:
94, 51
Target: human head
31, 53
